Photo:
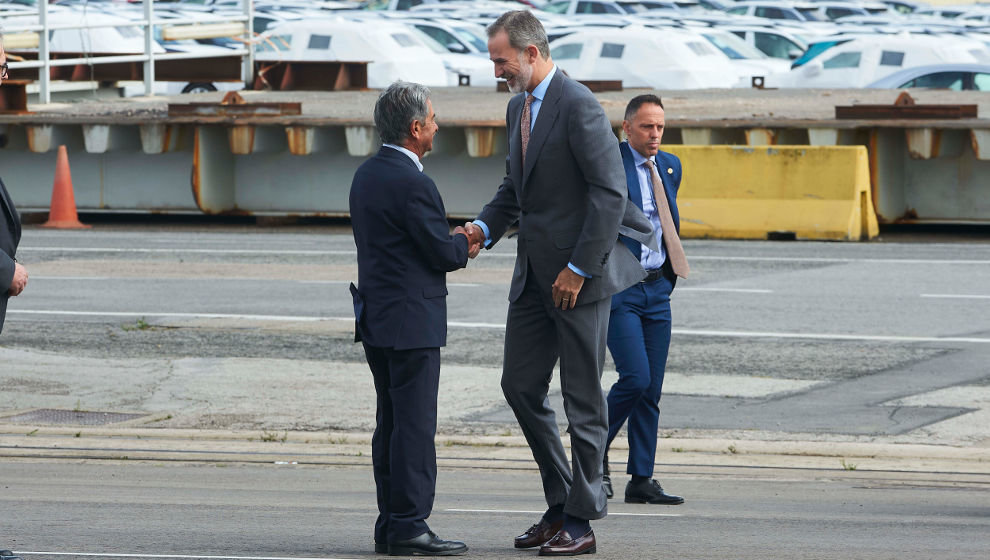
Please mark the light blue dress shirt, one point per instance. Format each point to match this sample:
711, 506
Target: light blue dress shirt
411, 155
649, 258
538, 93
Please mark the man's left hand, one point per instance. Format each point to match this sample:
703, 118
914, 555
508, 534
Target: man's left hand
566, 288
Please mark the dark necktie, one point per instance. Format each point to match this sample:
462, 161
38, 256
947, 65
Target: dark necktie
524, 126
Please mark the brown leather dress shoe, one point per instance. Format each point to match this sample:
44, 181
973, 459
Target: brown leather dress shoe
563, 545
538, 534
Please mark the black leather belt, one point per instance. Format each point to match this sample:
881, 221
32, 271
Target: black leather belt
653, 275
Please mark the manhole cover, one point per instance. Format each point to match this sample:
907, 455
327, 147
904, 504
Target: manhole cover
83, 418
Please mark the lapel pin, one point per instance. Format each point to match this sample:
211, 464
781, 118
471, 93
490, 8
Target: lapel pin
670, 171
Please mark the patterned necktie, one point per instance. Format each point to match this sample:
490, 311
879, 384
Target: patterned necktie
524, 126
675, 251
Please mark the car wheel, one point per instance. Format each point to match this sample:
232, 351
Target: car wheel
199, 87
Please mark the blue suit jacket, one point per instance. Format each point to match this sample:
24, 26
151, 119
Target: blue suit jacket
669, 168
10, 237
404, 249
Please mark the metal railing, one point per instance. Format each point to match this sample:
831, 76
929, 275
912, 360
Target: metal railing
148, 23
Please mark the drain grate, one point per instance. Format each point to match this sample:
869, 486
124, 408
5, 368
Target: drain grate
75, 417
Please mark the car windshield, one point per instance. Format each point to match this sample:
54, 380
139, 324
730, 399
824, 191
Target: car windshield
466, 34
734, 47
809, 14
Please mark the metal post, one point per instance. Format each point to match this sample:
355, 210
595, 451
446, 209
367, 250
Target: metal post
247, 70
44, 73
149, 41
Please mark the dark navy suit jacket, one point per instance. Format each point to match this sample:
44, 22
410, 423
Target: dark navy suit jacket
664, 162
10, 236
404, 249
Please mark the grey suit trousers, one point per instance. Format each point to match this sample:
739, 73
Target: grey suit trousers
537, 334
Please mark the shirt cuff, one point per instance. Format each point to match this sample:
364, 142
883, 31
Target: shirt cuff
578, 271
484, 228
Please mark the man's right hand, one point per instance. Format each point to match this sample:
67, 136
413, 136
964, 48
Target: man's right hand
20, 280
476, 238
473, 247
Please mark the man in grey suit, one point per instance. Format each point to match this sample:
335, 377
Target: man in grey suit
13, 275
565, 184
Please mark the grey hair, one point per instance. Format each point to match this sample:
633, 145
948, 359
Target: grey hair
523, 30
397, 107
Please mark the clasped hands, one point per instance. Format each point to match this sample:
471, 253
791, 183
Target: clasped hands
475, 236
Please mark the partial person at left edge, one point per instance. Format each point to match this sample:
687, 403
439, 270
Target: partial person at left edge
13, 275
404, 251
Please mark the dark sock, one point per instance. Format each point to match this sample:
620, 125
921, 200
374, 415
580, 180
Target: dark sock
640, 479
554, 514
575, 526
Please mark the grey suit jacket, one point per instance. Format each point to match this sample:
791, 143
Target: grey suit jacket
10, 236
570, 198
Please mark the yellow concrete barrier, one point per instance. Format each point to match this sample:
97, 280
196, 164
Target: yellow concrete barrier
756, 192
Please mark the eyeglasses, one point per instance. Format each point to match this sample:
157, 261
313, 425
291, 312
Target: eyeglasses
3, 71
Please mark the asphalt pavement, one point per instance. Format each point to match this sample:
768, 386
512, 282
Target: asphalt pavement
794, 367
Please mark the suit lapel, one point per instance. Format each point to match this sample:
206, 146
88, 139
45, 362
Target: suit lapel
8, 207
668, 186
632, 177
544, 122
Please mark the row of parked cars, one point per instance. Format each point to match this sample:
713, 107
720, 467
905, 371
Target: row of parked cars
662, 44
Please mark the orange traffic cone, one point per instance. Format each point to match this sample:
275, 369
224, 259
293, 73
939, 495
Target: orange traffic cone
63, 211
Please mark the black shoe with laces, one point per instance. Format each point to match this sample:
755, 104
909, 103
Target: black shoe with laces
650, 492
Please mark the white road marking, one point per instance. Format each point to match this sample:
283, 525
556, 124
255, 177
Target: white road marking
187, 556
514, 511
184, 251
344, 282
955, 296
836, 260
471, 325
148, 314
730, 290
512, 255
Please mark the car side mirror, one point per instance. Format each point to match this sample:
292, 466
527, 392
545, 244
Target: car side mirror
794, 54
813, 68
457, 48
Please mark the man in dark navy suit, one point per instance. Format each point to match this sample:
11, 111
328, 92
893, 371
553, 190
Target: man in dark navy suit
13, 275
639, 322
405, 250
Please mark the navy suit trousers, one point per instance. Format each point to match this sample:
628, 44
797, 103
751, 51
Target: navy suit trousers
403, 452
639, 339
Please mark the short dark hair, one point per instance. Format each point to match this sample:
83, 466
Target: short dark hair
397, 107
636, 102
523, 30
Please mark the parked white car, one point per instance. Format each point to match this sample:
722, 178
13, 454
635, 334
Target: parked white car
955, 77
864, 60
393, 50
645, 57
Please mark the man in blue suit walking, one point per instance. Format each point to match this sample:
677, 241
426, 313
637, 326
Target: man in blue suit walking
639, 322
404, 250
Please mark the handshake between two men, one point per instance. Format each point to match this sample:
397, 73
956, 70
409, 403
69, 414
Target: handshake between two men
475, 237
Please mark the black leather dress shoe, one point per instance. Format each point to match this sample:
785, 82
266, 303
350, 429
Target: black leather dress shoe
606, 478
562, 544
538, 534
650, 492
427, 544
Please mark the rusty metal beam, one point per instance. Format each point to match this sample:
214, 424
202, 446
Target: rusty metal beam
13, 96
906, 112
213, 69
311, 75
